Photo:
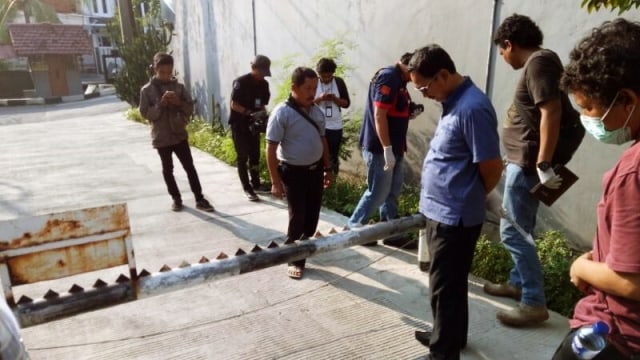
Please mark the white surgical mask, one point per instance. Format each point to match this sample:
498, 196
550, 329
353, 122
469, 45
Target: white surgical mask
595, 126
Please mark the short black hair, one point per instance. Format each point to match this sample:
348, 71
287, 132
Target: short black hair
520, 30
326, 65
605, 61
162, 58
427, 61
405, 58
301, 74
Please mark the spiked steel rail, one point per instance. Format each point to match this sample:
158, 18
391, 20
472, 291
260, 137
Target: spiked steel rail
54, 306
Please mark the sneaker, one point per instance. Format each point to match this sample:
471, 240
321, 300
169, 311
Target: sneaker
251, 195
204, 205
262, 189
523, 315
370, 244
403, 242
177, 205
504, 290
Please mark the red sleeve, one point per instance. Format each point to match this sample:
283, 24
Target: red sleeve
624, 211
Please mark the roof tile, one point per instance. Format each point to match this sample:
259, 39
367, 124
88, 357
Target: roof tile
43, 39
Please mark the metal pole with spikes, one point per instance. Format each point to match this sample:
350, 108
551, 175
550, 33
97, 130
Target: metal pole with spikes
54, 306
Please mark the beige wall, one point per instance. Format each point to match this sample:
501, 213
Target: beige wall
215, 43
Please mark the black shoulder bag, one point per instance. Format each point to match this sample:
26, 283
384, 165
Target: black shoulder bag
571, 129
570, 137
295, 107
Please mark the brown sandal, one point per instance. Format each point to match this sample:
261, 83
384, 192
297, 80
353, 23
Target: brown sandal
295, 271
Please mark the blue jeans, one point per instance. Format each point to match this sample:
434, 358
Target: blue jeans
522, 207
383, 189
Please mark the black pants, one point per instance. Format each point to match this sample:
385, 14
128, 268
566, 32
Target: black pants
183, 152
334, 139
303, 188
564, 351
247, 146
451, 249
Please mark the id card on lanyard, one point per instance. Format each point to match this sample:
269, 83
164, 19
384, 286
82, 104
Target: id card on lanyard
328, 111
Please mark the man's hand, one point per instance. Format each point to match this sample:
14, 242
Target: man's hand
549, 178
165, 100
389, 158
328, 178
494, 203
277, 191
259, 114
575, 279
328, 97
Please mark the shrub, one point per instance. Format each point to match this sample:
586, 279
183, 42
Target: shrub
134, 114
493, 262
556, 257
138, 55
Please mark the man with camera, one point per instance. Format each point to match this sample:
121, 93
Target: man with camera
247, 120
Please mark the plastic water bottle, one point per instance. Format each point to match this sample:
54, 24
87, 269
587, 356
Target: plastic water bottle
589, 341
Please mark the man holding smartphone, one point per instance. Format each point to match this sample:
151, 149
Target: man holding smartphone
332, 96
168, 106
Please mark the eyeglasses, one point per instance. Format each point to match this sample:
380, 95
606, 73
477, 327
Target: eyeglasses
425, 89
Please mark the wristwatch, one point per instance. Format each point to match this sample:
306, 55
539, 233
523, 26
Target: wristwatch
544, 165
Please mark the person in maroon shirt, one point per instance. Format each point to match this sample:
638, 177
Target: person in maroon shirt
604, 76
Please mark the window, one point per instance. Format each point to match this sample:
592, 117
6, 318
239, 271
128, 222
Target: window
105, 41
95, 6
104, 7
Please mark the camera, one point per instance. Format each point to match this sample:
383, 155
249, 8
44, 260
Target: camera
258, 122
415, 110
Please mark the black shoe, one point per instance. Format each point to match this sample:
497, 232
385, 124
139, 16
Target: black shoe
177, 205
423, 337
371, 244
262, 189
204, 205
403, 242
251, 195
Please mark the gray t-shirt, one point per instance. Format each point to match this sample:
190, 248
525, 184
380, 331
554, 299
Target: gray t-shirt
538, 84
299, 142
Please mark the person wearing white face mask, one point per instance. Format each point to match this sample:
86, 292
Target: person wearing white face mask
596, 127
604, 77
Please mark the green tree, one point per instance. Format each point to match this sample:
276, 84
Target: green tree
620, 5
151, 38
31, 9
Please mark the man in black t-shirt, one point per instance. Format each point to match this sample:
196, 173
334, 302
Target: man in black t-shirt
530, 136
249, 98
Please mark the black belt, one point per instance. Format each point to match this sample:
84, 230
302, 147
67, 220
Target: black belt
314, 166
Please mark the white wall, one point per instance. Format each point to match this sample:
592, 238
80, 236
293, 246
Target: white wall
215, 44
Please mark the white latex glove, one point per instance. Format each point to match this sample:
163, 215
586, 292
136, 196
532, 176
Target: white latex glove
389, 158
549, 178
494, 203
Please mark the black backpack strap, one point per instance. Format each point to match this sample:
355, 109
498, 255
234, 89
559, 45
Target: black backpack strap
291, 103
342, 90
